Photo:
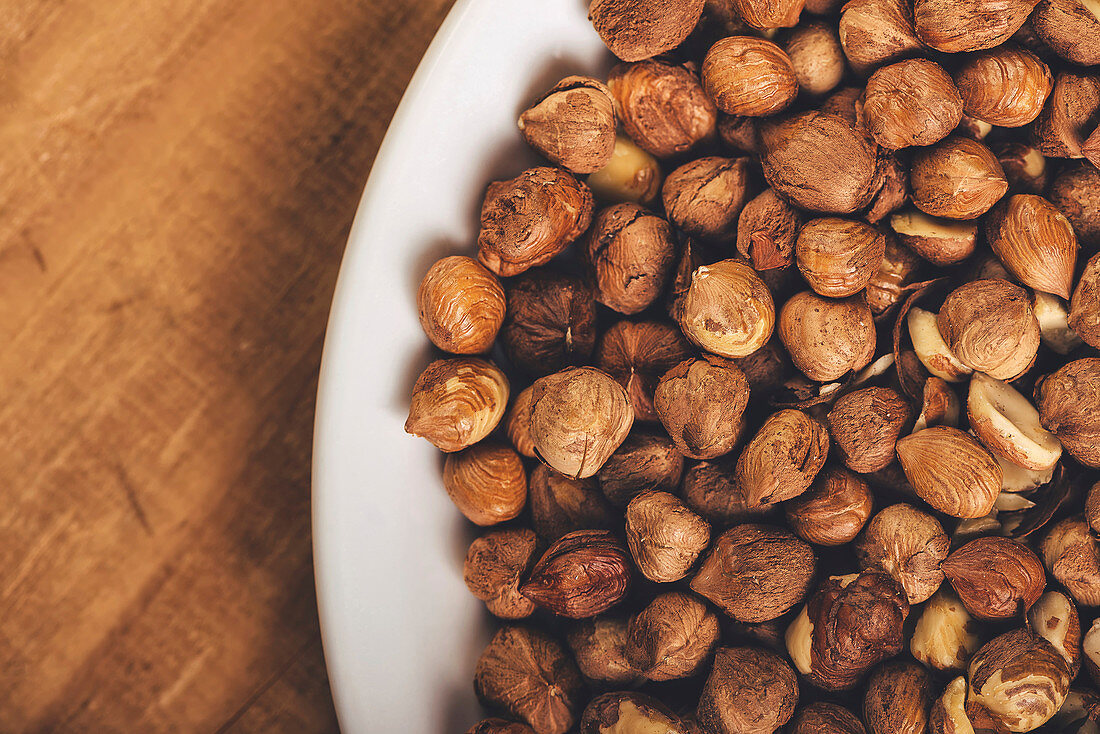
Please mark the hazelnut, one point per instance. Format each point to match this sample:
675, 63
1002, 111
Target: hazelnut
1072, 555
833, 511
1035, 242
837, 257
704, 197
672, 637
755, 573
664, 536
939, 241
1017, 682
662, 106
644, 462
1084, 314
767, 230
1092, 508
527, 673
1090, 650
865, 424
636, 30
457, 402
579, 416
826, 337
728, 310
898, 696
972, 25
895, 273
528, 220
909, 545
560, 505
939, 405
1054, 618
749, 691
1025, 168
912, 102
494, 565
1069, 407
826, 718
1070, 27
894, 192
599, 647
1008, 424
815, 53
517, 424
691, 258
486, 482
630, 253
461, 305
573, 124
740, 134
1019, 479
767, 367
876, 32
712, 491
628, 712
632, 175
820, 162
700, 403
1004, 86
582, 574
931, 349
958, 179
950, 471
948, 714
637, 354
1054, 330
767, 15
749, 76
1061, 129
990, 327
842, 103
551, 322
946, 636
995, 578
1076, 193
782, 459
500, 726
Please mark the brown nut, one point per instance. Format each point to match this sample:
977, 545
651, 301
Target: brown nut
782, 459
632, 175
529, 675
939, 241
939, 406
1076, 193
494, 565
876, 32
573, 124
1017, 682
628, 712
728, 310
948, 714
1084, 308
894, 192
528, 220
560, 505
1070, 27
642, 463
946, 636
1036, 243
457, 402
711, 490
1092, 509
865, 424
637, 355
951, 471
990, 327
995, 578
1063, 126
1090, 650
640, 30
897, 699
833, 511
827, 338
704, 197
486, 482
582, 574
461, 305
909, 545
672, 637
972, 25
815, 53
767, 15
749, 76
912, 102
837, 257
749, 691
630, 253
1008, 424
579, 416
958, 178
550, 324
1054, 618
1025, 168
664, 536
1072, 555
599, 647
842, 103
500, 726
662, 106
1069, 407
826, 718
895, 273
767, 230
700, 403
517, 424
755, 573
767, 368
1004, 86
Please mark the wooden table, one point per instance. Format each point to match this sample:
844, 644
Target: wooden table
177, 179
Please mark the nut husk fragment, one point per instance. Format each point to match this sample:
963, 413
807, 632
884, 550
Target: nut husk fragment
970, 25
767, 230
911, 102
1004, 86
704, 197
876, 32
990, 327
826, 337
782, 459
1036, 243
599, 647
672, 637
898, 696
1072, 555
457, 402
958, 178
951, 471
995, 578
865, 425
487, 482
749, 76
582, 574
833, 511
1069, 407
630, 253
494, 565
749, 691
837, 257
640, 29
700, 403
946, 636
573, 124
550, 324
909, 545
1017, 682
560, 505
461, 305
662, 106
664, 536
642, 463
728, 310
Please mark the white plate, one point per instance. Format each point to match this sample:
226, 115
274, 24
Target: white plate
401, 632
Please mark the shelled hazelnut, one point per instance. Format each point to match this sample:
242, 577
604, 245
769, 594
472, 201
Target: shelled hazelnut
865, 425
517, 424
1072, 555
624, 711
631, 175
457, 402
1090, 650
704, 197
635, 31
833, 511
672, 637
989, 325
1025, 168
749, 690
487, 482
644, 462
826, 718
1004, 86
1035, 242
700, 403
939, 406
995, 578
837, 257
599, 647
1017, 682
461, 305
827, 337
573, 124
711, 490
749, 76
665, 537
1062, 128
1069, 407
939, 241
637, 354
1075, 192
782, 459
877, 32
728, 310
908, 544
500, 726
662, 106
951, 471
630, 254
494, 565
899, 695
550, 324
970, 25
946, 636
1084, 309
1070, 27
560, 505
817, 57
1054, 618
958, 178
767, 230
897, 271
767, 15
911, 102
582, 574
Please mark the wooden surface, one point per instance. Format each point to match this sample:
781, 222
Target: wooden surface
177, 180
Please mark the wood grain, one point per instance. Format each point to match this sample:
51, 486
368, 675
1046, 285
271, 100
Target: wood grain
177, 180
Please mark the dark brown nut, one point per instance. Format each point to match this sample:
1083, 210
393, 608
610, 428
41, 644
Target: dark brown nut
826, 718
457, 402
630, 253
1076, 193
500, 726
527, 221
945, 636
1054, 618
636, 30
1017, 682
628, 712
895, 273
672, 637
972, 25
637, 355
1092, 509
560, 505
894, 192
951, 471
582, 574
876, 32
461, 305
767, 367
995, 578
749, 76
909, 545
573, 124
700, 403
1070, 27
897, 699
842, 103
766, 15
958, 179
632, 175
782, 459
711, 490
494, 565
749, 691
1025, 168
837, 257
1036, 243
579, 416
487, 482
529, 675
1008, 425
517, 424
815, 53
820, 162
1072, 556
599, 647
767, 230
1069, 407
990, 327
664, 536
705, 196
1070, 113
755, 573
825, 337
662, 106
1084, 308
939, 241
644, 462
740, 134
550, 324
833, 511
948, 714
728, 310
865, 424
1004, 86
912, 102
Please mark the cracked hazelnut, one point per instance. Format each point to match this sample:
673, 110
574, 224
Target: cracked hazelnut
939, 241
700, 403
599, 647
1061, 129
664, 536
630, 253
582, 574
837, 257
494, 565
898, 696
897, 270
1004, 86
486, 482
827, 337
642, 463
1008, 424
637, 355
946, 636
461, 305
833, 511
711, 490
672, 637
628, 712
995, 578
1052, 314
865, 425
639, 30
909, 545
704, 197
782, 459
728, 310
1076, 193
560, 505
1069, 407
1070, 27
1035, 242
767, 229
1054, 618
1017, 682
948, 714
662, 106
1024, 166
815, 53
517, 424
826, 718
457, 402
990, 327
632, 175
950, 471
958, 178
749, 691
749, 76
1084, 313
876, 32
1072, 555
573, 124
500, 726
971, 25
550, 324
931, 349
912, 102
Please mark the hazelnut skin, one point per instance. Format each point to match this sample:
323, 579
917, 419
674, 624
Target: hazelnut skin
1072, 555
912, 102
749, 691
664, 536
457, 402
672, 637
971, 25
909, 545
1075, 192
711, 489
487, 482
700, 403
461, 305
550, 324
825, 337
573, 124
749, 76
1070, 27
662, 106
995, 578
517, 424
767, 230
765, 15
833, 511
630, 254
500, 726
1062, 128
